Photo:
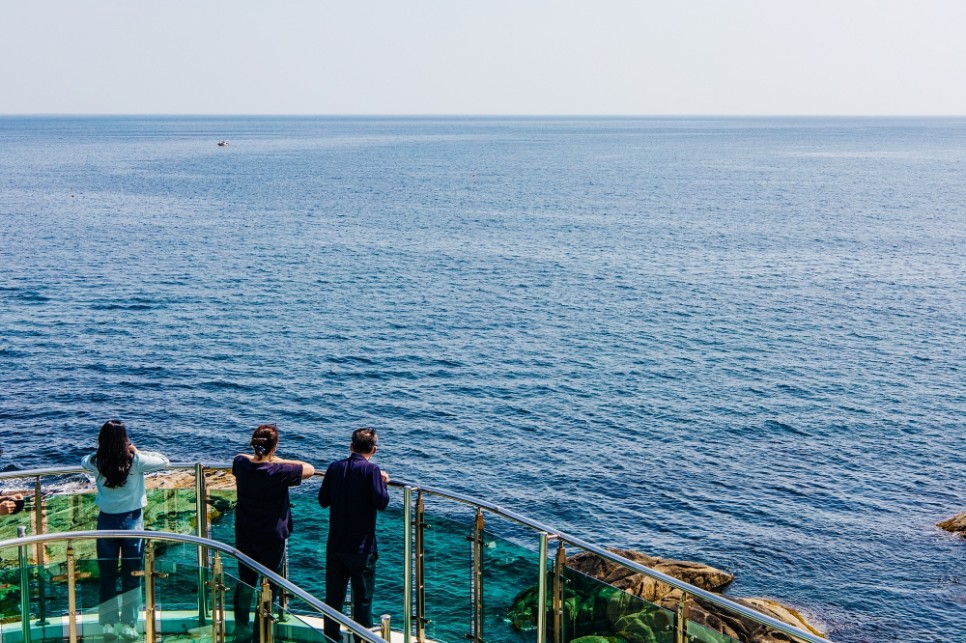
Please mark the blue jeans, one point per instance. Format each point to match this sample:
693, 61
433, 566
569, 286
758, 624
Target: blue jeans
131, 553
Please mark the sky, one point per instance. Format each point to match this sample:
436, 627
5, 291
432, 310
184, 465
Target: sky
499, 57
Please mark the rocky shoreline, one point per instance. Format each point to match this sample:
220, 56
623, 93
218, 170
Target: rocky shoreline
622, 603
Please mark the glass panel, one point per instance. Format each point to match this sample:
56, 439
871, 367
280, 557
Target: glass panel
703, 634
303, 627
390, 568
171, 510
306, 550
713, 624
510, 575
10, 584
234, 589
68, 504
178, 589
24, 518
87, 592
296, 623
594, 608
448, 573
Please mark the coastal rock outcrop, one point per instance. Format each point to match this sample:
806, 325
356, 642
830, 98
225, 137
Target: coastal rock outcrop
956, 524
604, 601
214, 479
698, 574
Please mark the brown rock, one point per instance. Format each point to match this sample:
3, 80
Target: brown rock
956, 524
214, 479
624, 609
783, 613
703, 576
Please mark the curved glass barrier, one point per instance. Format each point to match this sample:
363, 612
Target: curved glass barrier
451, 568
174, 598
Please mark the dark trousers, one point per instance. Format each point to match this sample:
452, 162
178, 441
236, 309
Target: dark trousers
131, 553
269, 554
341, 569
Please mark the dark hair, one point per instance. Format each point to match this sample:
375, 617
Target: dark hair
264, 439
364, 440
114, 455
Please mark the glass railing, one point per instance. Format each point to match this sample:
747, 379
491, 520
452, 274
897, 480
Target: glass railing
451, 567
62, 599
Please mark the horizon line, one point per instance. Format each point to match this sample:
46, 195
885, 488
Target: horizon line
458, 115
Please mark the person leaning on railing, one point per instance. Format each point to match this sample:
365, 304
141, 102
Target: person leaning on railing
263, 516
353, 489
119, 470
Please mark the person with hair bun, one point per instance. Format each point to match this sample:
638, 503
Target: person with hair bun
119, 470
263, 518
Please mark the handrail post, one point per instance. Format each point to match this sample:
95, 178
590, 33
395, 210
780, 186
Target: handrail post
558, 583
681, 619
478, 544
217, 600
385, 626
407, 562
542, 589
149, 599
265, 629
282, 614
201, 529
24, 587
41, 554
421, 526
71, 594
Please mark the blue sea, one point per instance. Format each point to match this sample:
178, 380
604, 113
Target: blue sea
734, 340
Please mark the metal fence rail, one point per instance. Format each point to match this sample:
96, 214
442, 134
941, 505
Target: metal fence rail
413, 601
213, 545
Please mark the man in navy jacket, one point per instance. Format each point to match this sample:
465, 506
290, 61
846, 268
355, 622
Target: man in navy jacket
353, 489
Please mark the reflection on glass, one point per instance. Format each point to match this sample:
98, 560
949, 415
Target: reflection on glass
449, 573
594, 608
507, 567
301, 624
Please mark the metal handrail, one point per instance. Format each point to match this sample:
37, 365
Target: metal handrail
692, 590
274, 578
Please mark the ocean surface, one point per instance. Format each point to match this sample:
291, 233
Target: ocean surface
737, 340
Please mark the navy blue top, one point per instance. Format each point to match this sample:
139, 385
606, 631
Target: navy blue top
353, 490
263, 511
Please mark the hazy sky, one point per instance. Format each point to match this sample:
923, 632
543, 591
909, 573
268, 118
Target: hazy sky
483, 57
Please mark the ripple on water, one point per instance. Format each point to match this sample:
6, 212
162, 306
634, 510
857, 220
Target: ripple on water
725, 347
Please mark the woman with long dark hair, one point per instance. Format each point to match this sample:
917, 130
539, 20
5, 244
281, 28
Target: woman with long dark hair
263, 518
119, 470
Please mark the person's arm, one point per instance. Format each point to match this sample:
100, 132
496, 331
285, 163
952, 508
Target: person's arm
152, 460
307, 469
380, 489
325, 493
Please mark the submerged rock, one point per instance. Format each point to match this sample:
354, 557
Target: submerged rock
956, 525
603, 600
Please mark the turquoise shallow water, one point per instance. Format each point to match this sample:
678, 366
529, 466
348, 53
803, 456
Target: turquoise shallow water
739, 341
